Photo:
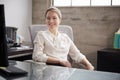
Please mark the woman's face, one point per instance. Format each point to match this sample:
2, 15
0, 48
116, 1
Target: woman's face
52, 20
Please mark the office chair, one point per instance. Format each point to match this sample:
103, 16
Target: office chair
62, 28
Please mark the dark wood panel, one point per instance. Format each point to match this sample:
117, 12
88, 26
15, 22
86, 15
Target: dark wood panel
108, 60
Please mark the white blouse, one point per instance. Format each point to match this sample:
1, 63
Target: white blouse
46, 44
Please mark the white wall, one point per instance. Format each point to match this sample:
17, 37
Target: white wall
18, 13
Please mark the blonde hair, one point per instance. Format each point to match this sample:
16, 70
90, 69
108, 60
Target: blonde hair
55, 10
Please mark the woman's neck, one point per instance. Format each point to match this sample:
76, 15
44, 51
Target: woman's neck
54, 31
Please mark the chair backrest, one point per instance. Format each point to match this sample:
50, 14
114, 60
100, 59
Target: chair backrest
62, 28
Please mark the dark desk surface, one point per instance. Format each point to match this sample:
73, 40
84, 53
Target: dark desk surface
41, 71
19, 52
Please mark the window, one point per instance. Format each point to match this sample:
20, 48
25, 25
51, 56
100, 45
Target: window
86, 2
62, 2
101, 2
81, 3
116, 2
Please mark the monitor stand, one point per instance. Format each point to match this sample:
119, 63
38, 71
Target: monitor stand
12, 70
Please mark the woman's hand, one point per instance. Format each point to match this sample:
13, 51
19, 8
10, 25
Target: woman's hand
52, 60
65, 63
87, 64
89, 67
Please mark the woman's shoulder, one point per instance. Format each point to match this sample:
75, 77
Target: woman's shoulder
41, 32
64, 34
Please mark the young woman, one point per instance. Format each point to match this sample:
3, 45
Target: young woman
53, 47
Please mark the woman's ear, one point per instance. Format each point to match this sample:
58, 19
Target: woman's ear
60, 20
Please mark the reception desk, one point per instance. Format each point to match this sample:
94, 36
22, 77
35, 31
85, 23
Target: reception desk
41, 71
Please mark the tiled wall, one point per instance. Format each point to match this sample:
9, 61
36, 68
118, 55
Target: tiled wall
93, 27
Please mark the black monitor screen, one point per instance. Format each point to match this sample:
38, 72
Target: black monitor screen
3, 42
5, 68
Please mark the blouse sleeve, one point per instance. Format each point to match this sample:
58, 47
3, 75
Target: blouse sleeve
74, 53
38, 54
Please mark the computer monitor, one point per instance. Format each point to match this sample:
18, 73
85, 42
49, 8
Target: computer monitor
3, 45
5, 67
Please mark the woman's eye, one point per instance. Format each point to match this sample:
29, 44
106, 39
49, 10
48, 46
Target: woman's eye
48, 18
54, 18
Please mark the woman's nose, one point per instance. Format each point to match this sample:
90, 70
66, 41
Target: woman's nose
51, 20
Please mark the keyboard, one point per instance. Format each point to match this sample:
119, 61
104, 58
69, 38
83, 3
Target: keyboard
13, 71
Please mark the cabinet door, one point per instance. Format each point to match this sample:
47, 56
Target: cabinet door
108, 61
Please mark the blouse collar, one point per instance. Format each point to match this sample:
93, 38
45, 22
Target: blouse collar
53, 34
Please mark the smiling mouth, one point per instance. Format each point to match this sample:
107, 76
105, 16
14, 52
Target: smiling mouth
51, 24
